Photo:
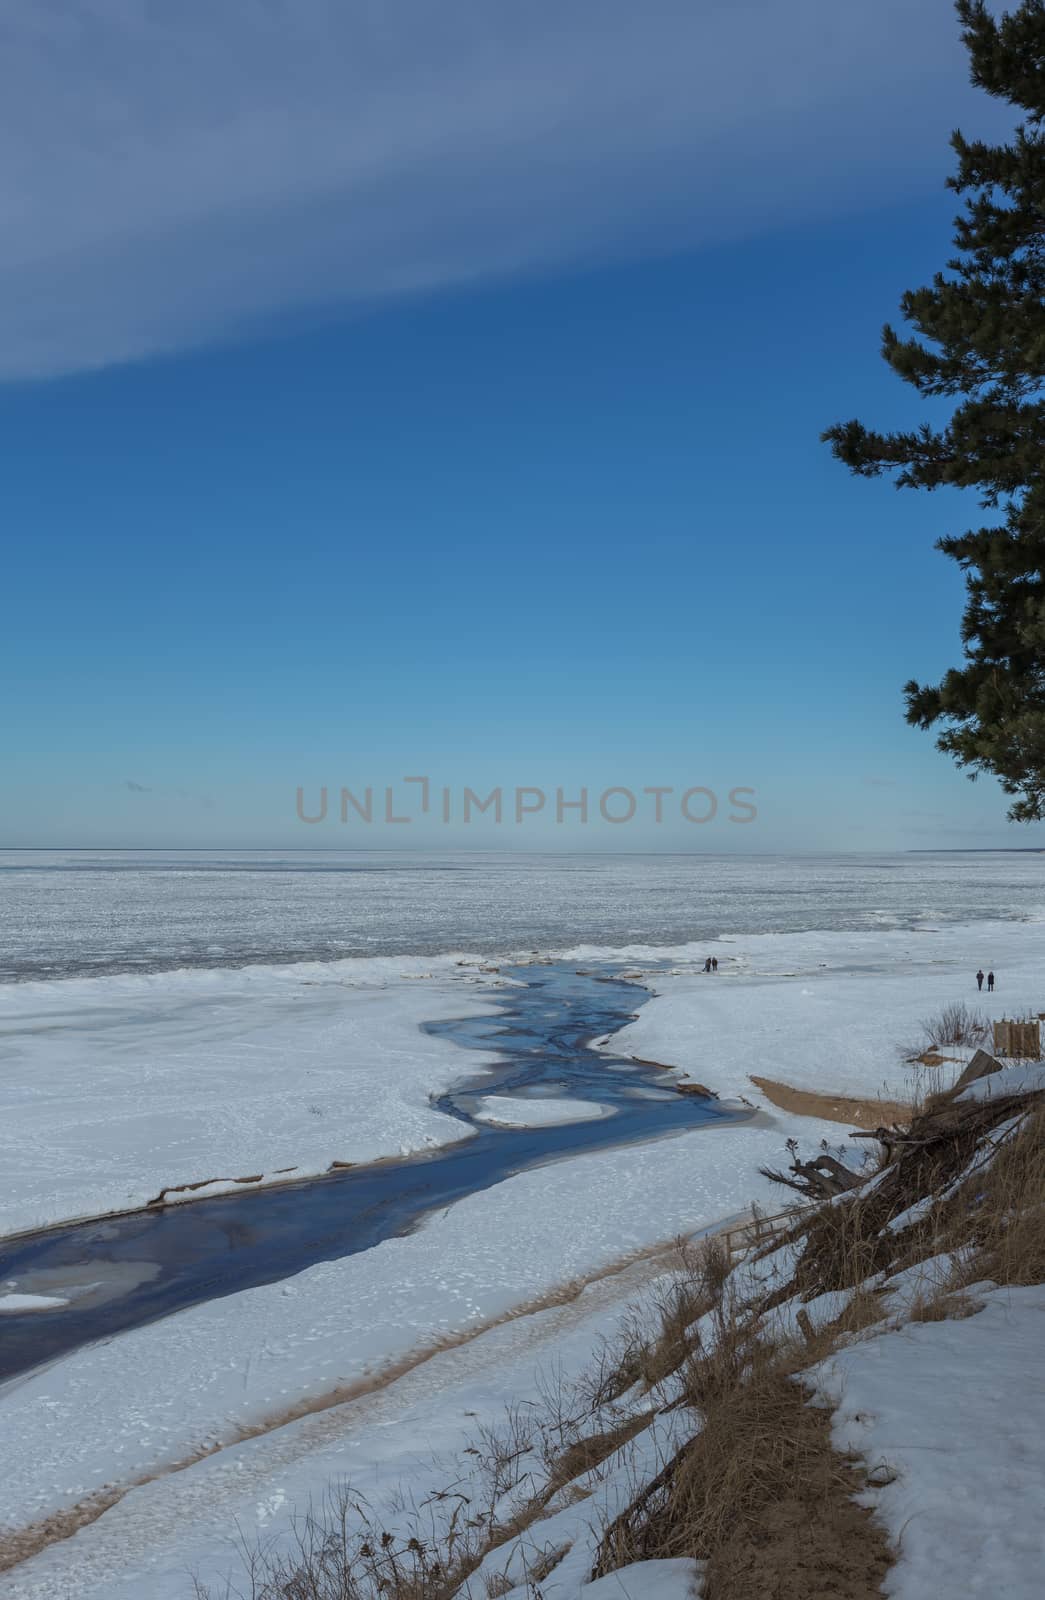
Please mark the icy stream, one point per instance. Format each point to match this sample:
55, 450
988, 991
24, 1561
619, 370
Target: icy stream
70, 1286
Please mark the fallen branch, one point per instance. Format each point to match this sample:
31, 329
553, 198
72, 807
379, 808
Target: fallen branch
821, 1179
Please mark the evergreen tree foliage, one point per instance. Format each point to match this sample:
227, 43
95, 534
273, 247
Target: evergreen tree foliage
979, 338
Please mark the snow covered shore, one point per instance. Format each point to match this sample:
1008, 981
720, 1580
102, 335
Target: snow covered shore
819, 1011
116, 1088
954, 1464
403, 1437
827, 1012
159, 1394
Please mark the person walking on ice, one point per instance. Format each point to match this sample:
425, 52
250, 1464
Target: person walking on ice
990, 983
979, 979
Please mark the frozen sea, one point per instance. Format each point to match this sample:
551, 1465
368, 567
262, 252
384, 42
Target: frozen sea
84, 912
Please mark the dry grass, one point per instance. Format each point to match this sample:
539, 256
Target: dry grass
338, 1554
943, 1305
755, 1491
653, 1341
591, 1450
703, 1270
341, 1551
993, 1212
1001, 1210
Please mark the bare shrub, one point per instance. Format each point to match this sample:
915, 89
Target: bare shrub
504, 1454
338, 1552
956, 1024
620, 1363
704, 1269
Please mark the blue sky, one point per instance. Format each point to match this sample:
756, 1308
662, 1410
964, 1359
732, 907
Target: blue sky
382, 398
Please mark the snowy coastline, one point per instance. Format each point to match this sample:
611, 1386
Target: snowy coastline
118, 1088
828, 1012
819, 1010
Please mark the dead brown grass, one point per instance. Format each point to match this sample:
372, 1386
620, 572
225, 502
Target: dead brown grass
687, 1300
648, 1349
1003, 1210
757, 1493
803, 1533
944, 1305
591, 1450
993, 1214
340, 1552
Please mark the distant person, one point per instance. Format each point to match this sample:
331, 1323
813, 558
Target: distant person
979, 979
990, 983
707, 964
714, 963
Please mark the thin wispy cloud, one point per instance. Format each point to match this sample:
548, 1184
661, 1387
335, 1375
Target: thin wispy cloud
204, 800
172, 175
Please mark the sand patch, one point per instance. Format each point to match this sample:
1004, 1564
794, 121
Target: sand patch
855, 1113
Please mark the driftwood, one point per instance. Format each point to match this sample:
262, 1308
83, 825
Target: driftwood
888, 1138
820, 1179
982, 1065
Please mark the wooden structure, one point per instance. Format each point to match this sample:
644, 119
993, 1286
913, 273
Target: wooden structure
760, 1230
1022, 1039
982, 1065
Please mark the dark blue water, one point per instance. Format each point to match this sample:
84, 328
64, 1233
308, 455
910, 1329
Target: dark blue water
209, 1248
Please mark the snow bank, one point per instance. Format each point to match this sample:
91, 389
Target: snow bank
828, 1012
116, 1088
1023, 1077
950, 1416
648, 1580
